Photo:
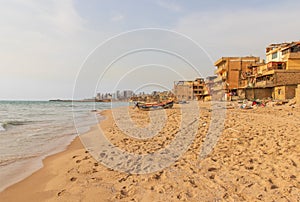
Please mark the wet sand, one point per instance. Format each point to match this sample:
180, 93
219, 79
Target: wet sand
257, 158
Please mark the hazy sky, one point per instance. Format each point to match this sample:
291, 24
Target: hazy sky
44, 43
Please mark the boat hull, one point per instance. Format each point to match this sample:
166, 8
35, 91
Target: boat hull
148, 107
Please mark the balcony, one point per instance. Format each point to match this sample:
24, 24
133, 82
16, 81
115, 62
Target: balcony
264, 84
220, 69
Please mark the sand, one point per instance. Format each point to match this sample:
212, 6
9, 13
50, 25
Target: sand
256, 158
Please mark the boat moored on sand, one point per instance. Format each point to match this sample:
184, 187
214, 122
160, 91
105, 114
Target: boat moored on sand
154, 106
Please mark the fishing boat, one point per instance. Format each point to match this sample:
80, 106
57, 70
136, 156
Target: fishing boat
154, 106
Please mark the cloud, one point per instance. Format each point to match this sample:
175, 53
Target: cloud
42, 41
36, 15
242, 31
170, 5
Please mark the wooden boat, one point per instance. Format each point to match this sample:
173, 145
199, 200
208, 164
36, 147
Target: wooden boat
154, 106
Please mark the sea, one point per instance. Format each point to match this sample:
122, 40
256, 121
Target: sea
33, 130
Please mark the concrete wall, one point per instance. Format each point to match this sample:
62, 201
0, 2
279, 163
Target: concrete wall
279, 93
293, 64
293, 61
258, 93
183, 92
290, 92
284, 92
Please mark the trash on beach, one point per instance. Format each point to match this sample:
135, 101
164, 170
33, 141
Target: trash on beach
246, 105
253, 104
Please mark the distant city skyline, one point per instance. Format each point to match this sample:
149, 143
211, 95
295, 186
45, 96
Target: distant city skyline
45, 43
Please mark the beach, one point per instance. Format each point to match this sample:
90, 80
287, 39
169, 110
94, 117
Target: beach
256, 158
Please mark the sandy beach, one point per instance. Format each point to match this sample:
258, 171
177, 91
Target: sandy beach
257, 158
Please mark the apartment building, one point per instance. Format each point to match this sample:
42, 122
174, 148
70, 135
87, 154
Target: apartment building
277, 77
190, 90
229, 72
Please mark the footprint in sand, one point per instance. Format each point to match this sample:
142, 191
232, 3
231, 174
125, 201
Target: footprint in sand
61, 192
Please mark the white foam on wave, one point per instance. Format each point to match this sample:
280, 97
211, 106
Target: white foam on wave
2, 127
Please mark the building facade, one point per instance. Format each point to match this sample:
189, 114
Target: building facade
190, 90
229, 72
277, 78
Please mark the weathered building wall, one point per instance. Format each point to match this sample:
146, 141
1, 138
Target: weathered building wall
249, 93
290, 91
279, 93
262, 93
190, 90
183, 91
292, 60
237, 65
284, 92
293, 64
287, 78
241, 93
258, 93
230, 69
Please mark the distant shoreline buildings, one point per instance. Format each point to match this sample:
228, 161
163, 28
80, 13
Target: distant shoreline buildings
117, 96
250, 77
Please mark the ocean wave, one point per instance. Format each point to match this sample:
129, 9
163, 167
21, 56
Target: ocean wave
5, 124
2, 128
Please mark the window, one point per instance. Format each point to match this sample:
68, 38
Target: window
285, 51
279, 90
274, 55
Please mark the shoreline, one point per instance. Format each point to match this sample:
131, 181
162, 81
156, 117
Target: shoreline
34, 180
23, 169
45, 171
26, 167
42, 164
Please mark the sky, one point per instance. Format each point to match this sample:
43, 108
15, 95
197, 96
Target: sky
73, 48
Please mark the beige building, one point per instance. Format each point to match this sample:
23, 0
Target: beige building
284, 92
229, 72
277, 78
190, 90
